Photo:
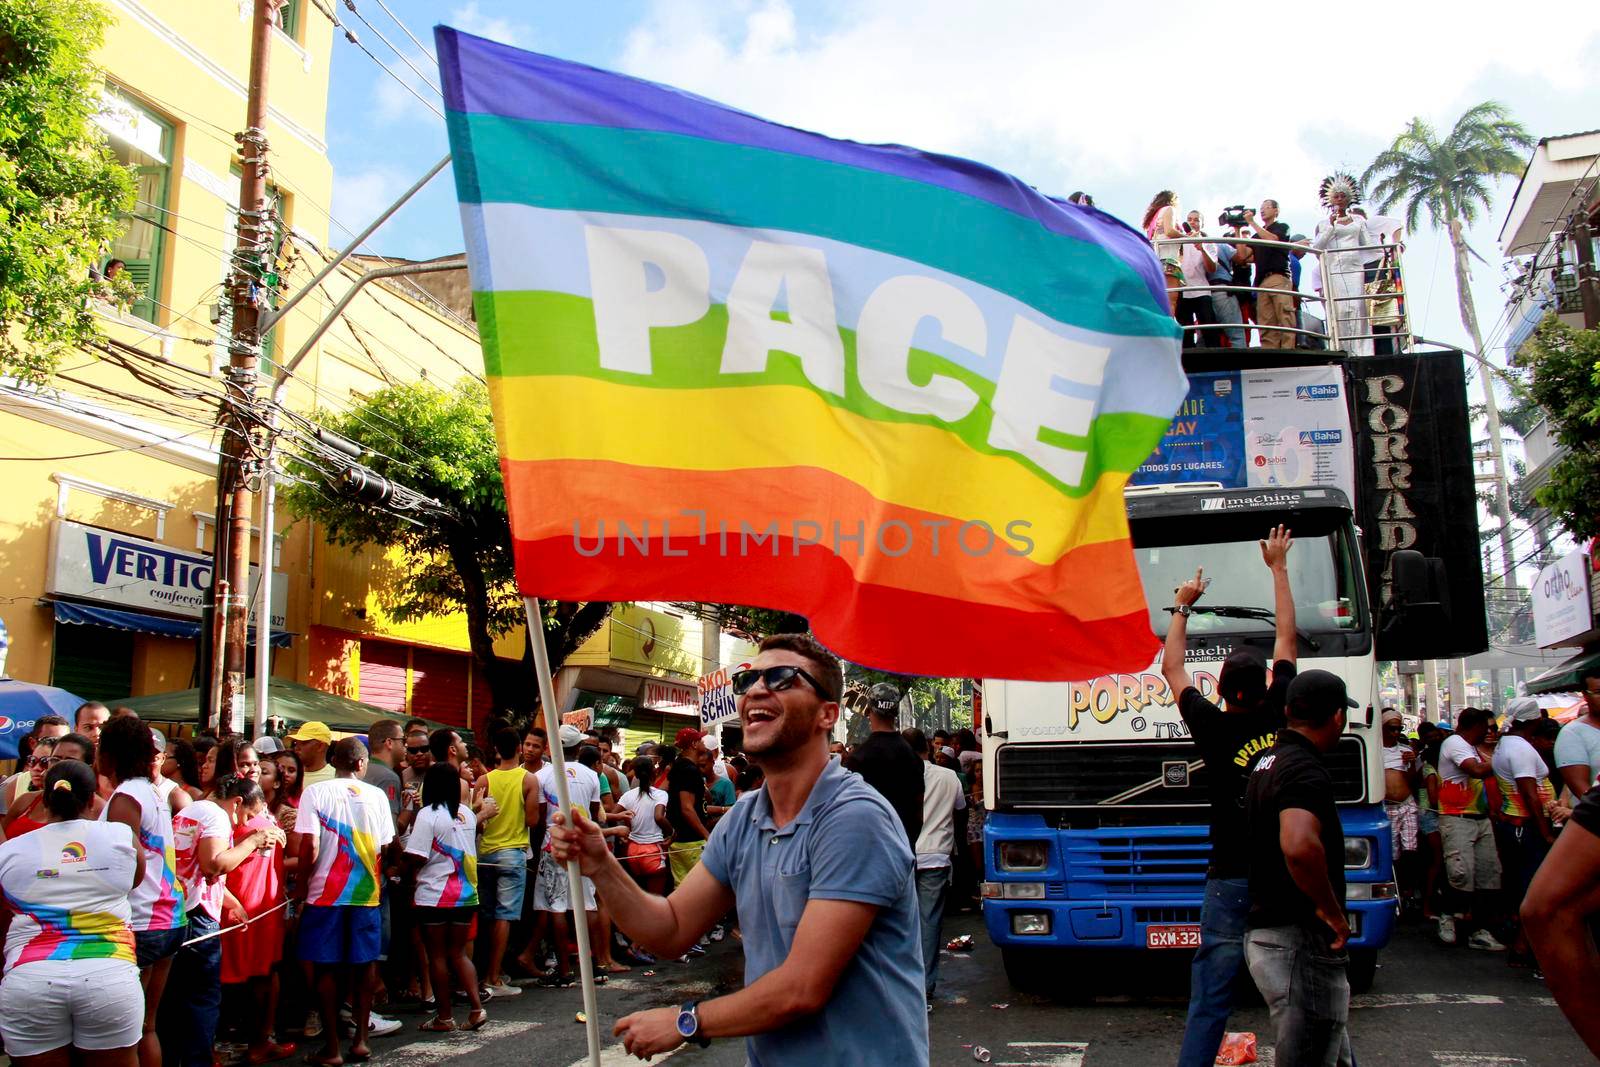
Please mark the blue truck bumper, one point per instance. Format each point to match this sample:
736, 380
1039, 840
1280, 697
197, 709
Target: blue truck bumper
1106, 888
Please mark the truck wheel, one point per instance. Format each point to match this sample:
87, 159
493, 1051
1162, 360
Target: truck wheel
1044, 972
1363, 969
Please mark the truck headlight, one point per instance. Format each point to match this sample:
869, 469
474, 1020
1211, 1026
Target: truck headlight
1023, 855
1357, 853
1030, 922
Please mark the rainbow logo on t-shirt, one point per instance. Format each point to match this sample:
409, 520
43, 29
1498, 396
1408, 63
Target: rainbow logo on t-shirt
460, 889
74, 852
167, 910
65, 934
352, 878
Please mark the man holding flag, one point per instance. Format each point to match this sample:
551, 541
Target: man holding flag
816, 862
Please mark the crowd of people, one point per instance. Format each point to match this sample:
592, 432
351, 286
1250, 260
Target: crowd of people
1247, 277
298, 888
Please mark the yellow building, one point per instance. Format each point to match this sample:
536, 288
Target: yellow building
105, 522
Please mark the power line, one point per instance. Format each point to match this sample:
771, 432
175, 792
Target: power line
407, 31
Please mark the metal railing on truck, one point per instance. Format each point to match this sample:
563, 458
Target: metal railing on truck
1352, 313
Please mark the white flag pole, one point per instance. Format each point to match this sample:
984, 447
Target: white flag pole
552, 726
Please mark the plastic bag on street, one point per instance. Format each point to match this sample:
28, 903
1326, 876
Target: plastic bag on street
1237, 1048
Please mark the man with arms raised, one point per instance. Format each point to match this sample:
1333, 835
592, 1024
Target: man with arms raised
818, 865
1231, 741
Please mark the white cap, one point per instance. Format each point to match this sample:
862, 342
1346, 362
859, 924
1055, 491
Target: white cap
571, 736
710, 742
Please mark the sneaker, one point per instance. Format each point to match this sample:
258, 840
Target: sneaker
381, 1025
313, 1026
641, 956
1485, 941
717, 933
694, 950
501, 989
1447, 929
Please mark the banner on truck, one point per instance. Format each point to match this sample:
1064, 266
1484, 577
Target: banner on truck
1418, 490
1258, 428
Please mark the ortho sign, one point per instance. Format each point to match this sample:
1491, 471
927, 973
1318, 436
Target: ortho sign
1561, 600
129, 572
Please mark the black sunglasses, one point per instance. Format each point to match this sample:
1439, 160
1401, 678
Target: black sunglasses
776, 679
417, 751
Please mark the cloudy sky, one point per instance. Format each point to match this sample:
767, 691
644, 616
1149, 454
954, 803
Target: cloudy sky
1120, 100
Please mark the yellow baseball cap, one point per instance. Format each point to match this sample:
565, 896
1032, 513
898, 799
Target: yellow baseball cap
313, 731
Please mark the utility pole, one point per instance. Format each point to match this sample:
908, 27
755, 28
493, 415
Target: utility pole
224, 690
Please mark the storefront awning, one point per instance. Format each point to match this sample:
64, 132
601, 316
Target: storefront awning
1568, 676
140, 623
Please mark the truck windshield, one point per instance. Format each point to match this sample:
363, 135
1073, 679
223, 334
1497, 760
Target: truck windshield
1322, 577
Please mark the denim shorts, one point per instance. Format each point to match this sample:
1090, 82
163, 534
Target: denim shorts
153, 946
502, 880
340, 934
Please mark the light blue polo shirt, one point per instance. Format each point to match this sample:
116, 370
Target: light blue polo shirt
846, 844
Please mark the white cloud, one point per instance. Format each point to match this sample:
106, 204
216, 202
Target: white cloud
395, 95
470, 19
1098, 97
359, 195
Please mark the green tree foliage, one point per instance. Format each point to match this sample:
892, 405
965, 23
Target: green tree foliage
1563, 377
61, 190
441, 443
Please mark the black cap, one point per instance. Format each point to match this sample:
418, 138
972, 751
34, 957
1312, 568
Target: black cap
885, 699
1243, 673
1315, 695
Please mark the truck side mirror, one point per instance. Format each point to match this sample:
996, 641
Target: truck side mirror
1412, 580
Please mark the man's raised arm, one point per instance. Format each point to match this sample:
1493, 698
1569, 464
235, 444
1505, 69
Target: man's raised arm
1275, 554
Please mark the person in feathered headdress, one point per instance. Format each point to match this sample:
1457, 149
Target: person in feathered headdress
1340, 235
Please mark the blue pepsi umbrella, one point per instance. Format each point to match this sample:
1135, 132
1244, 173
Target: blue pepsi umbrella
21, 704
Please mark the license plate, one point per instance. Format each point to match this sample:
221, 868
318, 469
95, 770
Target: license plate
1185, 935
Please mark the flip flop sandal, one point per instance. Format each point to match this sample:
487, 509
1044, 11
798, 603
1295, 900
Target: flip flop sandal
437, 1026
476, 1020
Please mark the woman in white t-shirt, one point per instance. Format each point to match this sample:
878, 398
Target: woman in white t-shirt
125, 756
443, 851
71, 980
645, 810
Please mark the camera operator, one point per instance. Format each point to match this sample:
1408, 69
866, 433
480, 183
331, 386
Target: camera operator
1194, 303
1274, 307
1225, 302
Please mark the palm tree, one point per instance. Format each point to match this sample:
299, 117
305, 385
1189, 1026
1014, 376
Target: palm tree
1451, 180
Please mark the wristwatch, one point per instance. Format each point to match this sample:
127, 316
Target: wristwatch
1184, 609
689, 1024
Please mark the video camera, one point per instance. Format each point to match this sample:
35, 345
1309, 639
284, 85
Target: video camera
1232, 216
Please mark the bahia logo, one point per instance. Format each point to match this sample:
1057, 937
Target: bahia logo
1320, 437
1316, 392
74, 852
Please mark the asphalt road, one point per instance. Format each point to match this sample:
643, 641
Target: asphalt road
1431, 1005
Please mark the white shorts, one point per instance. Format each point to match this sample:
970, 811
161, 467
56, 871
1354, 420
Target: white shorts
550, 887
88, 1004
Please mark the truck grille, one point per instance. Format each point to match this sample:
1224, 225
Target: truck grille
1133, 774
1136, 862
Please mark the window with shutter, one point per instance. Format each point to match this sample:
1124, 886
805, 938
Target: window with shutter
93, 662
382, 680
143, 140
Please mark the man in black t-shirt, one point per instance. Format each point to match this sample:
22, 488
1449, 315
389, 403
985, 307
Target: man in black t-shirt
1230, 742
1273, 308
1296, 943
887, 762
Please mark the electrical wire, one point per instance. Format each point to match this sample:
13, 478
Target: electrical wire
427, 79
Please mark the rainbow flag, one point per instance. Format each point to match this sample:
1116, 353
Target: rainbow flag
732, 361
